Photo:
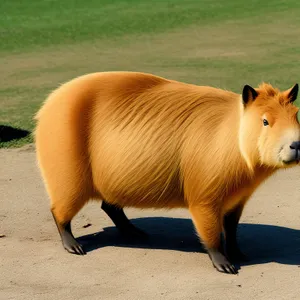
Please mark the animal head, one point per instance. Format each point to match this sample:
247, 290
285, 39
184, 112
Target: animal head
269, 129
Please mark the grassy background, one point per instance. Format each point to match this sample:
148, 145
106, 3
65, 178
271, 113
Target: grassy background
221, 43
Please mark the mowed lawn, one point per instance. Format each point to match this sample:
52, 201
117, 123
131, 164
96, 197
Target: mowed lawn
226, 44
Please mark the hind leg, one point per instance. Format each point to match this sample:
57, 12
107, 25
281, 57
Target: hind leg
63, 213
119, 218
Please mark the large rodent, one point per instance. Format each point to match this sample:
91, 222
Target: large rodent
135, 139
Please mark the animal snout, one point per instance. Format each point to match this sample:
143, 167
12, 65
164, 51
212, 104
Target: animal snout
294, 152
295, 146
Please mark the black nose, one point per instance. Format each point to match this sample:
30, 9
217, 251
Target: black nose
295, 145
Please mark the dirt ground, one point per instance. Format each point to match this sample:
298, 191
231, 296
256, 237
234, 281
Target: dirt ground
170, 265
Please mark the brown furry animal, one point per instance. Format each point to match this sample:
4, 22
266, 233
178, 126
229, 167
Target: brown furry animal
139, 140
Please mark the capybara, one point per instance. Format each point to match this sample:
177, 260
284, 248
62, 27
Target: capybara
134, 139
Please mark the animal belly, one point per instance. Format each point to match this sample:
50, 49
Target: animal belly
136, 170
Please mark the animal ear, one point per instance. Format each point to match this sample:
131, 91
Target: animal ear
249, 94
293, 93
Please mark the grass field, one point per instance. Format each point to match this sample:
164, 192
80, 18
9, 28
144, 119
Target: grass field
221, 43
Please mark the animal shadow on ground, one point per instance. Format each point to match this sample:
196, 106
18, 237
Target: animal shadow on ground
261, 243
8, 133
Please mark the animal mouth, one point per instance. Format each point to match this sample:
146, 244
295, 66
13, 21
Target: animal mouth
289, 162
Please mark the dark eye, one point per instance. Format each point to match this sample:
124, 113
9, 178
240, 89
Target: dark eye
266, 123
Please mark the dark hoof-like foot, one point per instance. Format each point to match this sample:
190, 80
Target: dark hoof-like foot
72, 246
221, 263
237, 255
134, 232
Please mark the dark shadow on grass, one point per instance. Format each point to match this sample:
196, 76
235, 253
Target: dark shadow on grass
261, 243
8, 133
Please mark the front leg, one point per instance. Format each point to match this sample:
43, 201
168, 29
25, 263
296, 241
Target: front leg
231, 220
209, 227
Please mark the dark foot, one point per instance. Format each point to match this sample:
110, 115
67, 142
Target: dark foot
133, 232
67, 238
236, 255
119, 218
71, 245
221, 263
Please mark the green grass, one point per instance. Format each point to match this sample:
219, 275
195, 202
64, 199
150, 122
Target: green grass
36, 24
220, 43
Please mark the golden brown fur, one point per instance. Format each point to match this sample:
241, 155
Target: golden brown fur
139, 140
